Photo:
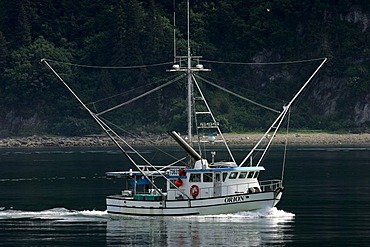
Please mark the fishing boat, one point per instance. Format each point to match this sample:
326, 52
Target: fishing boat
197, 184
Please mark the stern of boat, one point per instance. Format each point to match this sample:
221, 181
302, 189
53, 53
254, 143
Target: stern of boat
275, 186
278, 193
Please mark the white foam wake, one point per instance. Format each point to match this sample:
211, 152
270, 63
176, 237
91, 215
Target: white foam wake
265, 213
270, 214
58, 214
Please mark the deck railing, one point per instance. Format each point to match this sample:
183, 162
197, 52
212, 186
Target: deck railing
270, 185
264, 186
242, 188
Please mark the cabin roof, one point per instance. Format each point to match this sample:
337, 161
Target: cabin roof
130, 173
236, 169
151, 173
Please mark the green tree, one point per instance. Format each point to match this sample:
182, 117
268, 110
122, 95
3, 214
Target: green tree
27, 82
129, 21
4, 53
3, 63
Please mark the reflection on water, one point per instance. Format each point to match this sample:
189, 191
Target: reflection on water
55, 226
243, 229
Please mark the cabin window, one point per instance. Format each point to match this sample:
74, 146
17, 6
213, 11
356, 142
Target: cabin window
171, 185
233, 175
207, 177
224, 176
217, 177
256, 174
243, 175
250, 174
194, 177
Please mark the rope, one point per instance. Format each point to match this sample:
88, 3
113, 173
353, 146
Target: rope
267, 63
231, 84
285, 149
110, 67
127, 92
151, 141
237, 95
140, 96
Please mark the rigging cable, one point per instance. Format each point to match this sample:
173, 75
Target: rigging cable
212, 117
265, 63
237, 95
140, 96
110, 67
231, 84
151, 141
285, 148
126, 92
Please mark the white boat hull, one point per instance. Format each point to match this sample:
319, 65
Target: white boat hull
122, 205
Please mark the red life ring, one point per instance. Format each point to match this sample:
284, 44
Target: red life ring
194, 190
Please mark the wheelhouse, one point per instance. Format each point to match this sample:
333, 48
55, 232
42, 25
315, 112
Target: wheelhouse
212, 182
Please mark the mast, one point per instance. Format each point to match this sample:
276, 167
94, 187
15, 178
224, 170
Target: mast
179, 65
192, 113
190, 91
174, 32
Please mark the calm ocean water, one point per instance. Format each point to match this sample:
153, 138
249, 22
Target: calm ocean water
56, 197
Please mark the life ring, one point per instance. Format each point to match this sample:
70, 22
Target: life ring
194, 191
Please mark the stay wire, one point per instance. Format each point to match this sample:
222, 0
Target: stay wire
135, 136
247, 89
266, 63
127, 92
110, 67
141, 96
237, 95
285, 148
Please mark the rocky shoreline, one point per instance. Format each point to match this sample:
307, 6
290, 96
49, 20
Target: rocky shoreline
233, 139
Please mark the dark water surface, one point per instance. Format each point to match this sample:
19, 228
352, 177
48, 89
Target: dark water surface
56, 197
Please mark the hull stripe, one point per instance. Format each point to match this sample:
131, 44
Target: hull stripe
200, 206
137, 214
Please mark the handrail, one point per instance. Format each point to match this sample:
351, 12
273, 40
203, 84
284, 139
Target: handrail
233, 189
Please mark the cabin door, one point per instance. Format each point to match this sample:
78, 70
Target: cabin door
217, 184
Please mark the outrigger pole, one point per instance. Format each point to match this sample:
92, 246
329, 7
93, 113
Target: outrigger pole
276, 124
112, 134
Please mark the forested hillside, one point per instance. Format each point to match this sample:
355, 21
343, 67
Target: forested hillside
128, 33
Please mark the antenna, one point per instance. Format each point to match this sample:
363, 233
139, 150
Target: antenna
188, 28
188, 69
190, 84
174, 31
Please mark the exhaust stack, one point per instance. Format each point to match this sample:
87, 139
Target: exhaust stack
184, 145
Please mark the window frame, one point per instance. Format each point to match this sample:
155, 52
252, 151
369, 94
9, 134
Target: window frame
242, 175
231, 176
195, 177
207, 177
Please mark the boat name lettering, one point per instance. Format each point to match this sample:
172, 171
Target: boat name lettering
234, 199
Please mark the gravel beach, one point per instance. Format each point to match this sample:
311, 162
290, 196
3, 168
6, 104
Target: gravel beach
233, 139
